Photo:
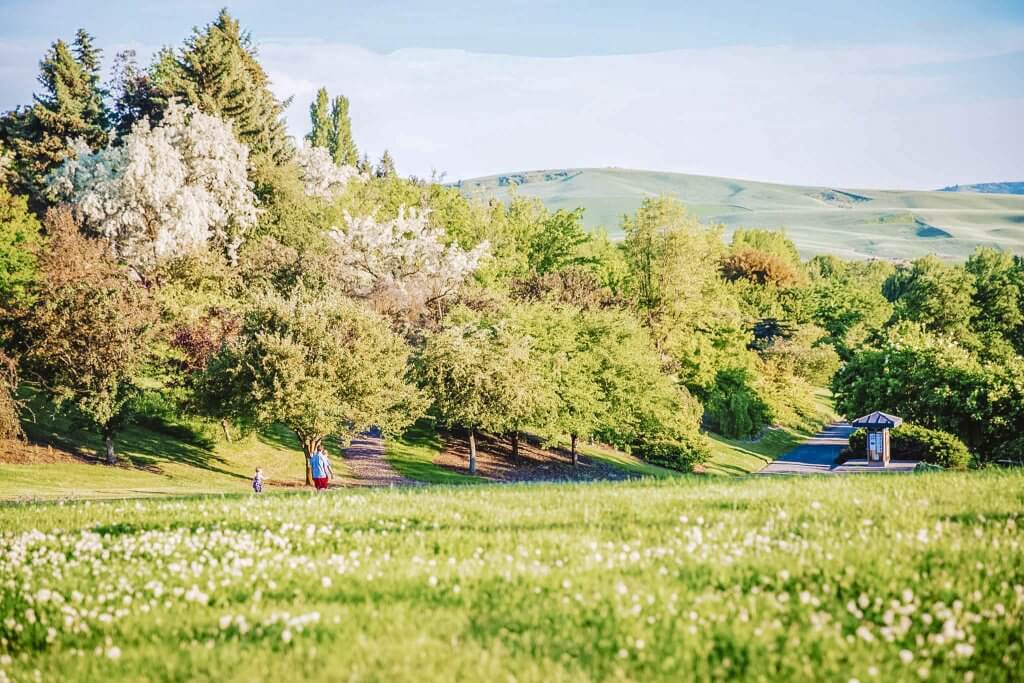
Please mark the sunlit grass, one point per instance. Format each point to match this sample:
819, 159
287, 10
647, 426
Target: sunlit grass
867, 578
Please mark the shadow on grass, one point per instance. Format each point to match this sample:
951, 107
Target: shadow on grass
413, 453
146, 445
279, 436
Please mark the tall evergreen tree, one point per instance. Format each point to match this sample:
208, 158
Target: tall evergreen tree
343, 146
70, 106
320, 117
332, 128
217, 70
386, 166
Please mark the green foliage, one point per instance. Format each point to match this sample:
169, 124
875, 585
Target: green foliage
734, 406
19, 236
480, 374
135, 94
558, 242
647, 233
386, 166
675, 455
935, 294
85, 338
846, 300
912, 442
217, 71
998, 295
332, 128
69, 107
936, 383
772, 242
319, 364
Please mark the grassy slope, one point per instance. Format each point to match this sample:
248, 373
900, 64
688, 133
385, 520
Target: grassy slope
862, 223
682, 579
162, 459
156, 459
739, 457
413, 456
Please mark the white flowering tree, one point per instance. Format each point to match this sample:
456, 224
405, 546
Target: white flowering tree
322, 177
404, 262
165, 190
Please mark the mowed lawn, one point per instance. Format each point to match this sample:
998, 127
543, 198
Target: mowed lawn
873, 578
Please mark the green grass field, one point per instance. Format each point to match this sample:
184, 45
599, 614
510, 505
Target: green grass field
870, 578
850, 223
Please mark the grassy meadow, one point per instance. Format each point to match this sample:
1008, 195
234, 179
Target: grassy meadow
680, 579
847, 223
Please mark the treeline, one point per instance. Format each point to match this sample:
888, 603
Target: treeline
166, 250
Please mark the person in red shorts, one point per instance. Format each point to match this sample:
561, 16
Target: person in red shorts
321, 468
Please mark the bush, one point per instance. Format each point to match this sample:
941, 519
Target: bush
676, 454
734, 406
910, 442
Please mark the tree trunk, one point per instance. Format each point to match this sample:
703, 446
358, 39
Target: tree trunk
515, 444
575, 455
472, 450
227, 432
309, 445
108, 438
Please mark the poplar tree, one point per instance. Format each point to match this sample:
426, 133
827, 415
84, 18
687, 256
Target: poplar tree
319, 115
332, 128
343, 147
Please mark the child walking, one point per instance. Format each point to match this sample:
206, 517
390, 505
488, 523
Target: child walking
257, 481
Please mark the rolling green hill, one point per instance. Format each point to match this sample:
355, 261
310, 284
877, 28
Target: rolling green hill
846, 222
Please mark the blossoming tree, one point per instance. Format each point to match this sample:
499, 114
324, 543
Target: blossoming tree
321, 177
163, 191
404, 264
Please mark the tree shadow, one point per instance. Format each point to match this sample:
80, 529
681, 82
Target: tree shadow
147, 444
279, 436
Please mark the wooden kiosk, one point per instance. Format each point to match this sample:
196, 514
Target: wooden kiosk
878, 425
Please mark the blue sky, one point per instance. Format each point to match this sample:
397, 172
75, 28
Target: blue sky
858, 94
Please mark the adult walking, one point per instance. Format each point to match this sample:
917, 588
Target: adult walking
321, 467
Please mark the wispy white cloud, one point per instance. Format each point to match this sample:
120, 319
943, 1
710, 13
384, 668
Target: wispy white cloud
900, 116
853, 117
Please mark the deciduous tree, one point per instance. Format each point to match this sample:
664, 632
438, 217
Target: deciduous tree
320, 364
166, 190
85, 338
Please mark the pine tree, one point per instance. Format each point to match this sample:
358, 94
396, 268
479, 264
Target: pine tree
217, 71
70, 106
364, 165
343, 146
386, 166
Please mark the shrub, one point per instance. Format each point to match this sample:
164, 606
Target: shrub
734, 406
677, 454
910, 442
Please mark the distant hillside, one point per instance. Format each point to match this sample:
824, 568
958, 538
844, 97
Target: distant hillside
988, 188
847, 222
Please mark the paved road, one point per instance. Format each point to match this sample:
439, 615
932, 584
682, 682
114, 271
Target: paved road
817, 455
